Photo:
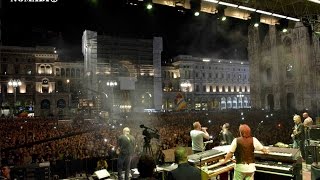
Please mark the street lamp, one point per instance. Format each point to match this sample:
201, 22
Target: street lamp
112, 84
14, 83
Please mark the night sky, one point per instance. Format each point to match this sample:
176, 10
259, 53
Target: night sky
61, 24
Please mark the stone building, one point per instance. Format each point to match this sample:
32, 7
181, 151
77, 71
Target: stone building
284, 68
47, 84
206, 83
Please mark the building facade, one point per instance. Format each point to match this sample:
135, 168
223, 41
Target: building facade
205, 84
284, 68
46, 84
124, 74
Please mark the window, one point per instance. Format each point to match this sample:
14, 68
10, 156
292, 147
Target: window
269, 74
204, 75
72, 73
197, 88
197, 75
210, 75
204, 88
68, 72
78, 73
29, 69
16, 68
211, 89
4, 69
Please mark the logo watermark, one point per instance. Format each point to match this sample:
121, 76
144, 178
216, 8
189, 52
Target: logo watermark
35, 1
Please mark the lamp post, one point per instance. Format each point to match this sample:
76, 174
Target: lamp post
14, 83
112, 84
185, 87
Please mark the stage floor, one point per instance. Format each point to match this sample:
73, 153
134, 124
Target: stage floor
306, 171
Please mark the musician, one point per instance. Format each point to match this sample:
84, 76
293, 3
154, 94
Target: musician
225, 135
197, 135
126, 143
102, 164
307, 120
243, 148
184, 170
298, 135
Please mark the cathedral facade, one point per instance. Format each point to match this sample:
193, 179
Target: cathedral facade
284, 68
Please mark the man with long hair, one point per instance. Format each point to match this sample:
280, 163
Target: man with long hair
243, 148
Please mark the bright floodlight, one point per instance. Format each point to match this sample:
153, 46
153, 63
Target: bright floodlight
223, 18
256, 25
149, 6
196, 13
284, 30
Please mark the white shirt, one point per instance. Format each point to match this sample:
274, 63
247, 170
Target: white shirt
246, 168
197, 140
308, 121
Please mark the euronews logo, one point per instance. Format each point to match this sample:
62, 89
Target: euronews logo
53, 1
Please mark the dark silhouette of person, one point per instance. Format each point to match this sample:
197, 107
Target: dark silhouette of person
184, 170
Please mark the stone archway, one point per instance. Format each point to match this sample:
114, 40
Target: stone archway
270, 99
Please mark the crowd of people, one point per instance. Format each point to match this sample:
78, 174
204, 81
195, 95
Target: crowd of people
33, 140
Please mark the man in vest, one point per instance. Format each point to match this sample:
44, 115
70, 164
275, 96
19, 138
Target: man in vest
243, 148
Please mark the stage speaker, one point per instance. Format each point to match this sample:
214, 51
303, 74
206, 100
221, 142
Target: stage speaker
315, 172
314, 133
101, 174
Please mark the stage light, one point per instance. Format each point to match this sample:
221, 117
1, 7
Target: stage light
148, 4
213, 1
195, 6
220, 13
278, 15
293, 19
283, 25
315, 1
247, 8
264, 12
228, 4
255, 19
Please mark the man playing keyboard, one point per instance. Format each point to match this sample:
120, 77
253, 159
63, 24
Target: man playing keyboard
243, 148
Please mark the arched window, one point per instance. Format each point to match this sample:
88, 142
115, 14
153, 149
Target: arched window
61, 103
63, 72
78, 73
45, 104
72, 73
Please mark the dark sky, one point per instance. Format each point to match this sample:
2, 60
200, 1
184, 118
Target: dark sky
61, 24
